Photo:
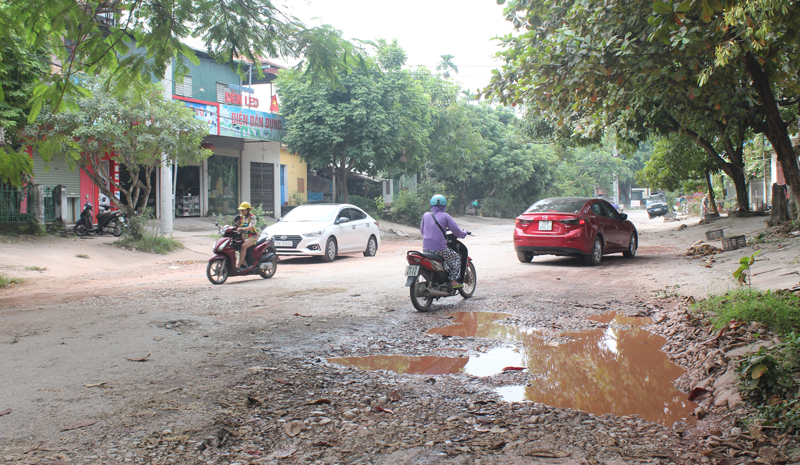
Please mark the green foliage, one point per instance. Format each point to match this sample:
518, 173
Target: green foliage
368, 205
743, 272
34, 228
21, 69
142, 234
6, 281
297, 199
117, 126
677, 163
778, 311
380, 204
411, 205
371, 122
762, 376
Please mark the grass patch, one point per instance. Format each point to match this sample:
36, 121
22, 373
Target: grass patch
35, 268
779, 311
81, 255
6, 281
150, 243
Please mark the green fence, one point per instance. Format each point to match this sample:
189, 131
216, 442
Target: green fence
15, 205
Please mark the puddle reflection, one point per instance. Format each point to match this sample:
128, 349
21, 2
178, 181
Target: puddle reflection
605, 370
616, 319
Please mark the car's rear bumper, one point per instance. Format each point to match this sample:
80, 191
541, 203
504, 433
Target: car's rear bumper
540, 250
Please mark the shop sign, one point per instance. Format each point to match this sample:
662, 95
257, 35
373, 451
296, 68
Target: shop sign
250, 124
235, 97
207, 113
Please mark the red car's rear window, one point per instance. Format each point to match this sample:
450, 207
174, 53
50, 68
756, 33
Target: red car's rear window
560, 205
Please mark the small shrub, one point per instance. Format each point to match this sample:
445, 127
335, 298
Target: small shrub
35, 268
81, 255
297, 199
6, 281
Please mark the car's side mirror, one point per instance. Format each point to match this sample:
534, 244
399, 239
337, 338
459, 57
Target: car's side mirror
623, 216
342, 219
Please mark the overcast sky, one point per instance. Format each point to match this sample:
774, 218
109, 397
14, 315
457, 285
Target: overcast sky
426, 29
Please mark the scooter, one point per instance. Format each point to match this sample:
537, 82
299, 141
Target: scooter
261, 259
107, 221
428, 280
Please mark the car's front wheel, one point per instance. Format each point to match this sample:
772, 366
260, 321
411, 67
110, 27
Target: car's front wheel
596, 256
633, 245
330, 250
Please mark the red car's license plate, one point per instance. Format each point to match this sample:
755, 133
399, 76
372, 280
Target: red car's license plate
545, 225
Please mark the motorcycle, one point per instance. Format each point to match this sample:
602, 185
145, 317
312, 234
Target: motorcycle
107, 221
428, 280
261, 258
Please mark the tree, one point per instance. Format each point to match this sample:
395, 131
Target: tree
454, 143
134, 129
759, 38
136, 41
21, 67
371, 122
587, 70
446, 64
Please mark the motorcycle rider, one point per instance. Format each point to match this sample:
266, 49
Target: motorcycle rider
247, 227
433, 226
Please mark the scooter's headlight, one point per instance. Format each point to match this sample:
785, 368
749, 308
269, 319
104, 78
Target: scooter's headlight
313, 233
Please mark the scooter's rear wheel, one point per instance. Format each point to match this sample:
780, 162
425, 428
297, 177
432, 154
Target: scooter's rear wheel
217, 272
80, 229
470, 281
418, 292
116, 228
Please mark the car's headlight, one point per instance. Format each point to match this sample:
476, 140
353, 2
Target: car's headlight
313, 234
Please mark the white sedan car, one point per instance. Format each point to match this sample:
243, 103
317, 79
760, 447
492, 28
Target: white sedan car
326, 230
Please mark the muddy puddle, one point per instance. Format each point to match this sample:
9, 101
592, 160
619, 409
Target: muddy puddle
617, 369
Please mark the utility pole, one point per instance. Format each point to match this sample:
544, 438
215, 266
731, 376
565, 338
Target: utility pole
166, 201
616, 179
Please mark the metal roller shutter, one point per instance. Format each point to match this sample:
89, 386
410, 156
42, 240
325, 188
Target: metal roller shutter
56, 173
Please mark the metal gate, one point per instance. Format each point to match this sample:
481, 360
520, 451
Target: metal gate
262, 185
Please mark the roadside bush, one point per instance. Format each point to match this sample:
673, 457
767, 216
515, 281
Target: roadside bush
503, 207
410, 206
368, 205
143, 234
297, 199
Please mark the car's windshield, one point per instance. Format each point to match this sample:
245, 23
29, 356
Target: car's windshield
561, 205
311, 213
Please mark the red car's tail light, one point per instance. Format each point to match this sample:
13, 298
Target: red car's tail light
573, 222
522, 222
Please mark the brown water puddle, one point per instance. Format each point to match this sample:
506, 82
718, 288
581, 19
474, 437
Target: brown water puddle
607, 370
616, 319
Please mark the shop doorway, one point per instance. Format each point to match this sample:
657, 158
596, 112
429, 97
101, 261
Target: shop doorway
187, 191
223, 185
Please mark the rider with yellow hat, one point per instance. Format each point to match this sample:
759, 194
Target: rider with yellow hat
247, 226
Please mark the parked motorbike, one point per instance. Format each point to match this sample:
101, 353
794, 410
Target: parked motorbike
110, 221
428, 280
261, 259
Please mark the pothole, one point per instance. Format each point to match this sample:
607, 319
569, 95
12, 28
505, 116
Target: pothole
617, 369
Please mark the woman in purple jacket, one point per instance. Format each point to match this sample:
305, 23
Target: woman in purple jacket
434, 239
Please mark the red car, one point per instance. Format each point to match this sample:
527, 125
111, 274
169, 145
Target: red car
574, 226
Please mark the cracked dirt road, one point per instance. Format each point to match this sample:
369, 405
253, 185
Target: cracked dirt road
69, 335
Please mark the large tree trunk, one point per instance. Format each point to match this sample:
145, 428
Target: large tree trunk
777, 130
